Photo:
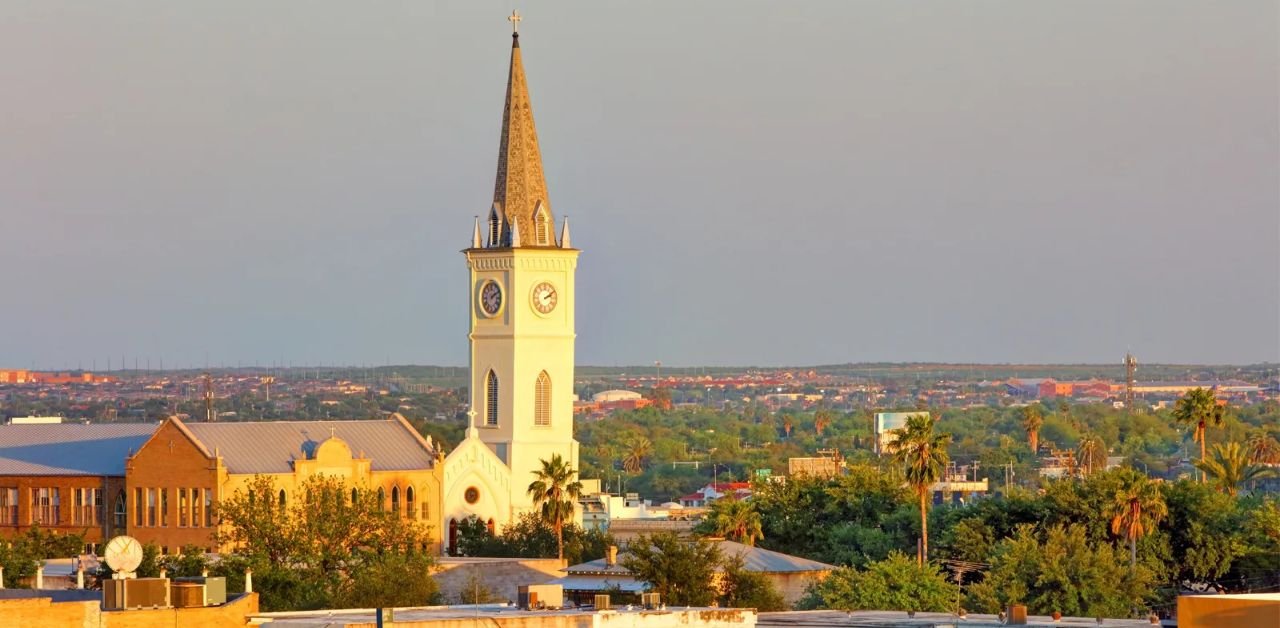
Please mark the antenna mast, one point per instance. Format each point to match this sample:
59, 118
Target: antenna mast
208, 399
1130, 379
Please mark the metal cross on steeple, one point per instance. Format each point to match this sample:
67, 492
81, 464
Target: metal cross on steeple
515, 18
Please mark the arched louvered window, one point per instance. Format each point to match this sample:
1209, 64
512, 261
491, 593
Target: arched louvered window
491, 399
542, 225
395, 500
495, 227
542, 400
409, 506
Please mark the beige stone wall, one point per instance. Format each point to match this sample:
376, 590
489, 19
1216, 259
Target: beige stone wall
709, 618
792, 586
43, 613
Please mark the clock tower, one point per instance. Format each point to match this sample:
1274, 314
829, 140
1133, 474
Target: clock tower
521, 302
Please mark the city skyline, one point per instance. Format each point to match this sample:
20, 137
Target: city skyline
295, 186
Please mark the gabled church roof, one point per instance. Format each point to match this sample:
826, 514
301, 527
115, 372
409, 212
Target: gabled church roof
520, 184
272, 446
70, 448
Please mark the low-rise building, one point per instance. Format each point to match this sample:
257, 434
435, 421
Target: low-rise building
68, 477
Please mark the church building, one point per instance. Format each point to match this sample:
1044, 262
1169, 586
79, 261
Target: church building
521, 292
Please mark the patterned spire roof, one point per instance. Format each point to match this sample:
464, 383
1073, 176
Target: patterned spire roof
520, 184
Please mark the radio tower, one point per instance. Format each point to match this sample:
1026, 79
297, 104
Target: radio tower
208, 399
1130, 372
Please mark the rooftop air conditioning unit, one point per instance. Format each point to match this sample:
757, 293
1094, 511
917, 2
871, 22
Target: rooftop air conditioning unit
602, 603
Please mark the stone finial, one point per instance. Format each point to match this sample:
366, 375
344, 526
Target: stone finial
564, 235
248, 580
475, 235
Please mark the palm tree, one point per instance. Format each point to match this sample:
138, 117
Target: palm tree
556, 490
736, 520
1136, 509
1263, 448
821, 419
1032, 420
1230, 467
1091, 454
638, 451
1199, 408
787, 424
923, 457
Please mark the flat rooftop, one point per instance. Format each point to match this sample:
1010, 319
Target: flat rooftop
510, 616
878, 619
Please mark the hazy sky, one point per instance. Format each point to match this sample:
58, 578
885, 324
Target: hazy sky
750, 182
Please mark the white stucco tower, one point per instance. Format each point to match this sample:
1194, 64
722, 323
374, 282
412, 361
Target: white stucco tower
521, 301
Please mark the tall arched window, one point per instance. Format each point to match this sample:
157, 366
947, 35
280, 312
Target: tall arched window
395, 500
121, 511
382, 499
492, 528
409, 506
491, 399
453, 537
541, 225
281, 500
542, 400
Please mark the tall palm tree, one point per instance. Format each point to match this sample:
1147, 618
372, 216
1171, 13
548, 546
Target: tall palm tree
1230, 467
1199, 409
557, 491
922, 454
821, 419
1091, 454
736, 520
1263, 448
638, 451
787, 424
1135, 510
1032, 420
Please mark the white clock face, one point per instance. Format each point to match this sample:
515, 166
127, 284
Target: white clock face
490, 298
544, 297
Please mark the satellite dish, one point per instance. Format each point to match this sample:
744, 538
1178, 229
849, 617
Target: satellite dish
123, 554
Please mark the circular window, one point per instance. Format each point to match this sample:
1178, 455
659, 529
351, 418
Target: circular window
472, 495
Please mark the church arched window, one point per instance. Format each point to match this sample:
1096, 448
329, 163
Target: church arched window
409, 506
281, 500
542, 225
395, 500
491, 399
492, 528
453, 537
382, 499
542, 400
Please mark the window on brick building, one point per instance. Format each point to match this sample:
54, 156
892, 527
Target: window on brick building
9, 506
122, 511
183, 508
45, 505
137, 507
409, 505
208, 508
151, 507
164, 507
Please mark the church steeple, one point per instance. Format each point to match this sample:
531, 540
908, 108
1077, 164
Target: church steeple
520, 191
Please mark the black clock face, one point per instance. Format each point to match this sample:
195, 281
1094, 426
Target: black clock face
490, 298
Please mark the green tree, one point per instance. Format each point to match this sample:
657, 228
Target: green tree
821, 420
1199, 409
733, 519
190, 562
1032, 420
1059, 570
895, 583
682, 571
1230, 467
556, 491
922, 455
1135, 510
1263, 448
741, 588
329, 545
